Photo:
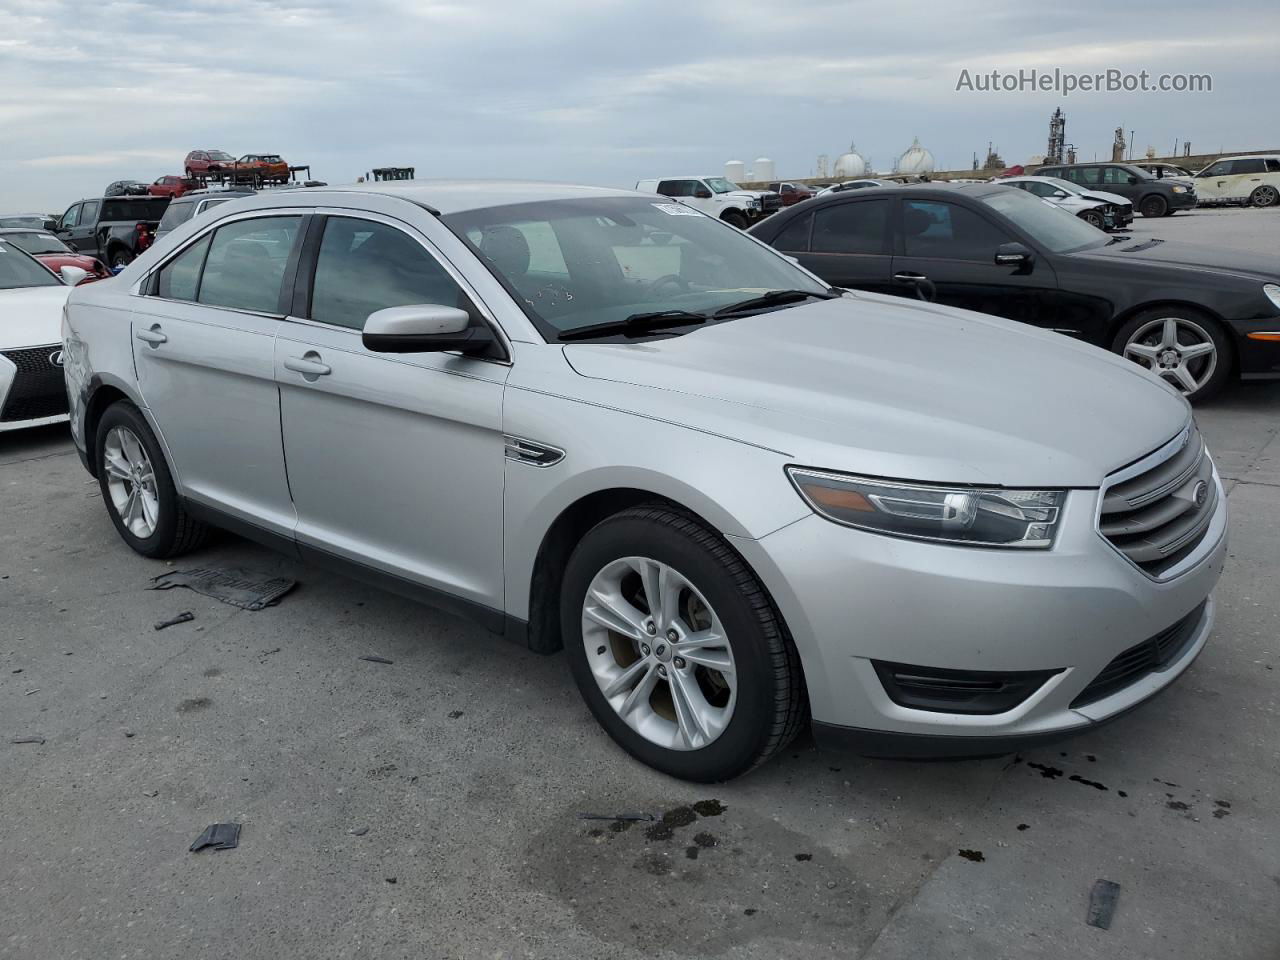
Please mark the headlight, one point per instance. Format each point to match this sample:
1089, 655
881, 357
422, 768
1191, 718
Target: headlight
1272, 291
1178, 189
989, 517
754, 203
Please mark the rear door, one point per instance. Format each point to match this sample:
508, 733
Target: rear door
204, 341
1120, 180
80, 235
946, 253
395, 461
847, 243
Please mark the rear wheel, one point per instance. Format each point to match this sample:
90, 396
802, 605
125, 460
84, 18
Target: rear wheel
1153, 205
677, 648
734, 219
1265, 196
1189, 350
138, 488
119, 257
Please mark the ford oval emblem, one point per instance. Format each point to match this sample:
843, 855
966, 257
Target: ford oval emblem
1202, 493
55, 358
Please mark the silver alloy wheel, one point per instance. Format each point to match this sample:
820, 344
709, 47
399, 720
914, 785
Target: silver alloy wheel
131, 482
1266, 196
1178, 349
659, 653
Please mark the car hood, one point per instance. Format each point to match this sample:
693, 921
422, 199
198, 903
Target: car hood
31, 316
1113, 198
749, 194
893, 388
1189, 256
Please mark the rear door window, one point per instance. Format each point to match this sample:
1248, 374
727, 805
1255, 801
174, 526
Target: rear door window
946, 231
795, 235
246, 264
855, 227
1252, 165
177, 215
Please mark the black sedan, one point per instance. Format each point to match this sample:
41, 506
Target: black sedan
1196, 316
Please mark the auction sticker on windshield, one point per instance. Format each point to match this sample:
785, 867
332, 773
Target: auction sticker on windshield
677, 210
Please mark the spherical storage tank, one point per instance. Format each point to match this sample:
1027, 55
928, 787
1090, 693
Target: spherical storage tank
735, 170
916, 160
764, 169
850, 164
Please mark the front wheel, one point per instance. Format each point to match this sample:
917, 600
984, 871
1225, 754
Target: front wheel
1187, 349
1264, 196
1094, 219
735, 219
676, 647
1153, 206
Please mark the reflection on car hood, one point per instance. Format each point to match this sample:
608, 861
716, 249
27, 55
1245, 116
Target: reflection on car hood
1194, 256
893, 388
31, 316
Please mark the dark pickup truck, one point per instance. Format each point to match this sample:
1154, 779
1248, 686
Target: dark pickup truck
113, 229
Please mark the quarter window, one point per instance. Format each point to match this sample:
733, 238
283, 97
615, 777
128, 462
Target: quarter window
947, 231
1273, 165
245, 266
180, 278
1253, 165
855, 227
365, 266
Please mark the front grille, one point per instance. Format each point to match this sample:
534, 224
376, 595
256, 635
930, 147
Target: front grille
39, 388
770, 203
1159, 516
1145, 658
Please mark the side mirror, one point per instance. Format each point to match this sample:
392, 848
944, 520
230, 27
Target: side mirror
1013, 255
1059, 194
72, 276
424, 328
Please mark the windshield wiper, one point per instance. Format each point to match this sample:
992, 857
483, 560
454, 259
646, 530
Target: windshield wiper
637, 324
776, 298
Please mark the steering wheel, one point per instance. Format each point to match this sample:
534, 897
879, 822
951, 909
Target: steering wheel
670, 279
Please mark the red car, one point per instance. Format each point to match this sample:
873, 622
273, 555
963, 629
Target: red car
172, 186
55, 254
268, 167
208, 162
791, 192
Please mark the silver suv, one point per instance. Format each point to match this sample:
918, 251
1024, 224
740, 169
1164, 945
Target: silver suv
589, 418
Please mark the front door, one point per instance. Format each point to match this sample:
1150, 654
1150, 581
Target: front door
847, 243
203, 344
948, 255
395, 460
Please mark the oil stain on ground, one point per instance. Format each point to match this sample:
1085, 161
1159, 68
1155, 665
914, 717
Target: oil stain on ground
713, 867
194, 704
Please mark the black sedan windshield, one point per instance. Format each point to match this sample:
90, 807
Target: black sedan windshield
34, 242
1049, 225
574, 263
19, 270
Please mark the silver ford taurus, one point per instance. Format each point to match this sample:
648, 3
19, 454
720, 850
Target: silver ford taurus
740, 500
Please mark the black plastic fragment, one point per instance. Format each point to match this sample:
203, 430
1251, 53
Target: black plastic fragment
184, 617
632, 817
373, 659
219, 836
27, 740
240, 588
1102, 903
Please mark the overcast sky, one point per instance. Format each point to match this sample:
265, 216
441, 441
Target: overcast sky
596, 92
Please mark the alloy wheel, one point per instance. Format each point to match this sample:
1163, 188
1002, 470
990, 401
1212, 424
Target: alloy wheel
1266, 196
131, 482
659, 653
1177, 349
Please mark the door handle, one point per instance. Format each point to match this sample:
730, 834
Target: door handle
308, 365
152, 335
909, 277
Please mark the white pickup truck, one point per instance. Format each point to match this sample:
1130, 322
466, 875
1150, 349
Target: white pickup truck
716, 196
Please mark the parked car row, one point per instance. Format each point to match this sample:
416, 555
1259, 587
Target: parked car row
457, 391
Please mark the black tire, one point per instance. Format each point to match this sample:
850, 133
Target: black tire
1153, 205
734, 219
772, 704
119, 257
176, 532
1094, 219
1264, 196
1224, 369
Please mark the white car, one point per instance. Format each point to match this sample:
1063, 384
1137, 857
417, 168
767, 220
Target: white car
1254, 180
851, 185
33, 391
1104, 210
716, 196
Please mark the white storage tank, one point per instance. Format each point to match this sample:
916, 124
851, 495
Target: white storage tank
764, 169
850, 166
916, 160
735, 171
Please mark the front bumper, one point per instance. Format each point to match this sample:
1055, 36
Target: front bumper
1182, 201
850, 598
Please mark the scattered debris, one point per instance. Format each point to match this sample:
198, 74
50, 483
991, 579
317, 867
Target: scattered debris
374, 659
974, 855
454, 714
240, 588
128, 734
1024, 826
802, 857
267, 653
1076, 778
1121, 793
1177, 805
358, 831
19, 670
27, 740
390, 879
750, 912
709, 808
1102, 903
31, 691
185, 617
705, 840
1046, 771
193, 704
151, 793
219, 836
633, 817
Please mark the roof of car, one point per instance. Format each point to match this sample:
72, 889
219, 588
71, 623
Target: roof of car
454, 196
1253, 156
6, 231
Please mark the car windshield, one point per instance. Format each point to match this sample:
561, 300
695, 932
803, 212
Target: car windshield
1054, 228
219, 155
37, 242
19, 270
721, 185
578, 263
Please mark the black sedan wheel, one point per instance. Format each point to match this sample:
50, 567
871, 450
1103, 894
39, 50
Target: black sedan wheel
1154, 206
1187, 349
1265, 196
